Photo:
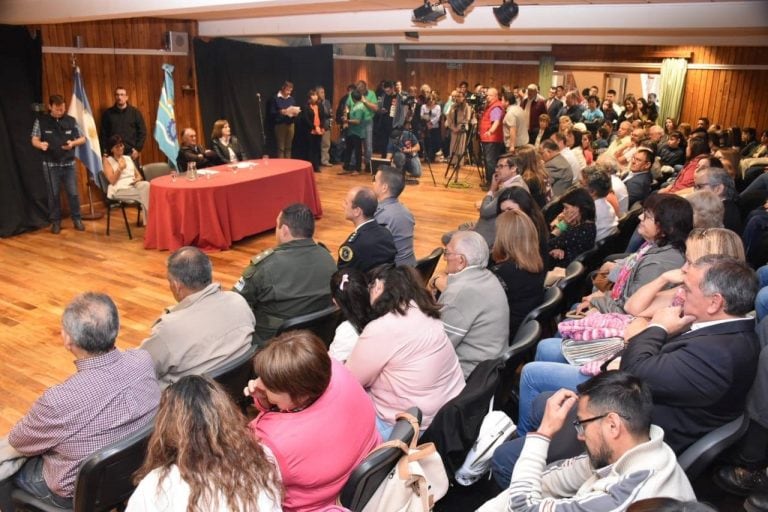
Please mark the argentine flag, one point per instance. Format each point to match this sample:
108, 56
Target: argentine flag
165, 126
79, 108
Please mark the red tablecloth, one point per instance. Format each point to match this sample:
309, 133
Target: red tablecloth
213, 213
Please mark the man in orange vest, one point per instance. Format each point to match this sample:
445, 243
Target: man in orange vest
491, 133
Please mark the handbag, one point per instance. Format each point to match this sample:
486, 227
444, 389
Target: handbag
495, 429
417, 481
578, 352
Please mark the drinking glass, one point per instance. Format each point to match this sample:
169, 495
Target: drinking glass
265, 159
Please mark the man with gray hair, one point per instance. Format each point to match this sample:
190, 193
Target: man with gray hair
206, 329
475, 312
720, 182
112, 395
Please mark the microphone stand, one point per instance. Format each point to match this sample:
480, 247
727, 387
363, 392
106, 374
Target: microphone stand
261, 124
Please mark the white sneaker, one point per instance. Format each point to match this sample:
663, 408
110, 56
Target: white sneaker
496, 428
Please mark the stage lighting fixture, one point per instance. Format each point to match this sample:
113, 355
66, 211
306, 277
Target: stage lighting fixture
506, 12
428, 13
460, 6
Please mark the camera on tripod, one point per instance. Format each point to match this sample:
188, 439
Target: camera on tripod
477, 100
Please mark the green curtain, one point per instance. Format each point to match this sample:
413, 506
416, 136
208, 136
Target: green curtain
546, 67
671, 89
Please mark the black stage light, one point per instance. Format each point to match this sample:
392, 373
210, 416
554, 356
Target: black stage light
428, 13
412, 35
460, 6
506, 12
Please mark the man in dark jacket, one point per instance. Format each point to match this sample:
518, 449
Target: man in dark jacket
126, 121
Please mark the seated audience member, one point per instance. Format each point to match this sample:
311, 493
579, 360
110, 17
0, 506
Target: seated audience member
672, 152
696, 150
224, 144
395, 216
403, 356
707, 209
518, 265
664, 225
574, 230
206, 329
201, 456
567, 153
721, 183
516, 198
544, 132
592, 117
303, 396
290, 279
758, 156
622, 141
370, 244
598, 185
112, 395
507, 176
557, 167
349, 291
639, 179
534, 174
699, 359
748, 142
125, 181
474, 310
624, 159
191, 152
626, 456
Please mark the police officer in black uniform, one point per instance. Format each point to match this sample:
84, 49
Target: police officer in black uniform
55, 134
371, 244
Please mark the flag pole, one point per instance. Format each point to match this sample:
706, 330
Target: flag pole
89, 184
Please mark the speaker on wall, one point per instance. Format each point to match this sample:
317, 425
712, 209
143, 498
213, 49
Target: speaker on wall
177, 42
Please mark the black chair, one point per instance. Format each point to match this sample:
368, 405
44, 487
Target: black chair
626, 226
551, 210
156, 169
322, 323
374, 469
528, 335
697, 457
112, 204
234, 375
546, 312
426, 266
105, 479
572, 284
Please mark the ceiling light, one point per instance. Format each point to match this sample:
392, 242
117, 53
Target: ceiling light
428, 13
506, 12
460, 6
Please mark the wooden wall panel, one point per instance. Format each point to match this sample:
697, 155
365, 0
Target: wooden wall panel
142, 75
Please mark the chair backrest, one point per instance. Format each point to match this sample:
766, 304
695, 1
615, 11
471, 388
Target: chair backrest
626, 226
426, 266
697, 457
526, 338
374, 469
105, 478
234, 375
155, 169
573, 283
322, 323
546, 312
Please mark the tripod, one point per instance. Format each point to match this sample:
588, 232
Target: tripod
462, 148
424, 142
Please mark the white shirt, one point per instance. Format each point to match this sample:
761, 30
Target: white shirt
573, 162
173, 495
344, 341
620, 189
605, 219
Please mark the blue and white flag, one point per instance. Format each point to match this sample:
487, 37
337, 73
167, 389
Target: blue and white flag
79, 108
165, 126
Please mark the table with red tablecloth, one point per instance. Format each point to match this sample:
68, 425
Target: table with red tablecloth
215, 210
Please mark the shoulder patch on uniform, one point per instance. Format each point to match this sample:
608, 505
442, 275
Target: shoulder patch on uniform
262, 256
240, 284
346, 253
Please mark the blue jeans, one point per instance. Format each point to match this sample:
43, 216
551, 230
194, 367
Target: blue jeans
55, 177
384, 428
369, 142
549, 372
30, 478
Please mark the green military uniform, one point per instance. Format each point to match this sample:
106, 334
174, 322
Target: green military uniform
289, 280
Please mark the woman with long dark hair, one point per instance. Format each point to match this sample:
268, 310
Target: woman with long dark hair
201, 456
349, 291
574, 230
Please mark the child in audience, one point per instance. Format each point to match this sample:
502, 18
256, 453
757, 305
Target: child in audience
349, 291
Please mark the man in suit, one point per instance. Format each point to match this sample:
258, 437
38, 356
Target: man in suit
639, 180
370, 244
558, 168
553, 107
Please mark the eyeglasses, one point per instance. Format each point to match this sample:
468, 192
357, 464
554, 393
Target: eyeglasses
579, 424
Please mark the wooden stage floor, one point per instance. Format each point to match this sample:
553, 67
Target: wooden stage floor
42, 272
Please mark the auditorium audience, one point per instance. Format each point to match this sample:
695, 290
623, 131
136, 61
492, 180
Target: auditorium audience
574, 230
349, 291
516, 198
388, 184
206, 329
201, 456
125, 180
403, 356
313, 416
559, 170
370, 244
113, 394
696, 150
533, 173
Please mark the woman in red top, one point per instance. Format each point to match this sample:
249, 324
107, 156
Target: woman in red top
314, 116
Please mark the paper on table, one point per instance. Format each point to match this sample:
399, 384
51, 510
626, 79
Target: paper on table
207, 171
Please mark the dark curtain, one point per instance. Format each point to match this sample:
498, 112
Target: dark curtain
23, 198
231, 74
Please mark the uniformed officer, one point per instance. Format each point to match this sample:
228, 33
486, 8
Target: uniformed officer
371, 244
291, 279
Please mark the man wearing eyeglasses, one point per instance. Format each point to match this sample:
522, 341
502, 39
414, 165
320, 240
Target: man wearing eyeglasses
639, 180
626, 458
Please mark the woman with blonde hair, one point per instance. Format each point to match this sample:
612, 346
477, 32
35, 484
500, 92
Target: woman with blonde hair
519, 265
224, 144
565, 123
533, 173
201, 456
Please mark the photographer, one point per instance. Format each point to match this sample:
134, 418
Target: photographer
457, 121
405, 148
